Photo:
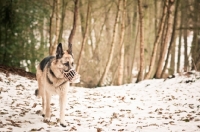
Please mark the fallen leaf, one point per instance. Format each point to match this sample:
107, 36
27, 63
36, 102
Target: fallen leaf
34, 105
186, 120
99, 129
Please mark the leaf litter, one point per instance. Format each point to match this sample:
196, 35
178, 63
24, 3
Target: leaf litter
151, 105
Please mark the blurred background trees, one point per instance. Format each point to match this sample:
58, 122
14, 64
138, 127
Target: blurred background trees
111, 37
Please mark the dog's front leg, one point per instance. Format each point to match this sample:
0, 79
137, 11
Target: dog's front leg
47, 106
62, 101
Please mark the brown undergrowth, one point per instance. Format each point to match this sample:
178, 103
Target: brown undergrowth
19, 71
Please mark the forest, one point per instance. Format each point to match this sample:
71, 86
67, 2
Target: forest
114, 42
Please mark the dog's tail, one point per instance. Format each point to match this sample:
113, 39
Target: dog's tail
36, 92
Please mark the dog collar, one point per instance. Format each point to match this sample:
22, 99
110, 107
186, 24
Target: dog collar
48, 79
53, 75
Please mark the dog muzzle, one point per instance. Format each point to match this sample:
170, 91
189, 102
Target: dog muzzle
72, 76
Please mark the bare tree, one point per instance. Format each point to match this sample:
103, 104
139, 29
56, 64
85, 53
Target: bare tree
167, 38
63, 12
84, 38
56, 24
185, 51
195, 50
75, 18
172, 41
110, 57
133, 31
141, 71
121, 62
157, 40
179, 51
50, 28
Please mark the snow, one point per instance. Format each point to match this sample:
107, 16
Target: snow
151, 105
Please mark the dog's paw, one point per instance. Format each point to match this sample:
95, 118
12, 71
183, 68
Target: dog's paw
63, 125
46, 119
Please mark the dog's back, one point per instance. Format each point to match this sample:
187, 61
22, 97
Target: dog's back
45, 61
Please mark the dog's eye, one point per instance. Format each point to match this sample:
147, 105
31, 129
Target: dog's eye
72, 63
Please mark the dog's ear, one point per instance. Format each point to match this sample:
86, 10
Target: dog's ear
69, 48
59, 51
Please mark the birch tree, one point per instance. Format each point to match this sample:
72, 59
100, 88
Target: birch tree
56, 24
111, 52
157, 40
167, 39
73, 30
84, 38
121, 62
195, 50
141, 71
172, 41
51, 28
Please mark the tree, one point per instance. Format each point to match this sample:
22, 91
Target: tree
179, 51
84, 38
141, 71
157, 40
186, 64
167, 39
172, 41
19, 28
110, 56
52, 47
121, 62
73, 30
195, 42
113, 47
56, 23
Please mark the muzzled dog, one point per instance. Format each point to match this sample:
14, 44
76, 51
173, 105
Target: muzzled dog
54, 75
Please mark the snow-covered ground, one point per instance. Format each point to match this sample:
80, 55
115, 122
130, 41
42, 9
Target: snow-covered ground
171, 105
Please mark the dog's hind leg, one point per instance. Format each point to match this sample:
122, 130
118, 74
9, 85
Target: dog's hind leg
62, 101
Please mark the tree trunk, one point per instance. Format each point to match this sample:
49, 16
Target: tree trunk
172, 41
121, 62
64, 4
58, 18
75, 18
195, 42
167, 38
179, 41
50, 28
172, 62
185, 51
131, 42
114, 38
96, 50
72, 33
84, 38
141, 71
157, 40
179, 51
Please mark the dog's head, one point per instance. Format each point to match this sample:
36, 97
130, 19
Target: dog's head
64, 59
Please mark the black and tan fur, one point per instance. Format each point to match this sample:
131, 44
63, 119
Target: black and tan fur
51, 81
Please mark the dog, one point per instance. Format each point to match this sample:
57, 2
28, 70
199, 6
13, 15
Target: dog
52, 81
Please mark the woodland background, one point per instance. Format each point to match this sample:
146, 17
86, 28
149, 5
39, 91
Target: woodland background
114, 41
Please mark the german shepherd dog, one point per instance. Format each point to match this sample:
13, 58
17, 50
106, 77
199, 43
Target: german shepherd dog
51, 80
